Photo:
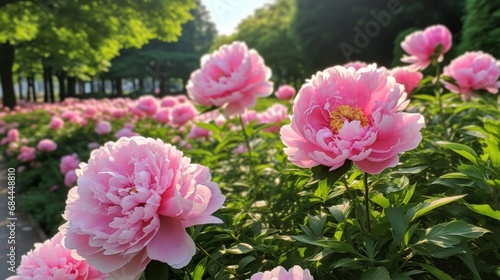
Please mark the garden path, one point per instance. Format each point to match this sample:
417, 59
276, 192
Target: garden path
26, 231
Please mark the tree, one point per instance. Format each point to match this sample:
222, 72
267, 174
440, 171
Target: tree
79, 38
480, 31
335, 32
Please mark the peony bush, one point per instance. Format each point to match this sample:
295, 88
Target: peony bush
368, 173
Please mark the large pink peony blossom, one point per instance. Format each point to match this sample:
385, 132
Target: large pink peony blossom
407, 77
473, 71
280, 273
46, 145
285, 92
356, 64
52, 261
421, 45
343, 114
132, 203
233, 76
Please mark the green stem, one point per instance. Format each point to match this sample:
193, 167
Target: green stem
255, 178
188, 274
439, 99
232, 272
367, 204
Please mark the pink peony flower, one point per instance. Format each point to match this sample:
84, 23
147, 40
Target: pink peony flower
169, 101
13, 135
51, 260
26, 153
134, 199
56, 123
182, 113
103, 127
274, 114
21, 169
125, 132
148, 105
70, 178
233, 77
342, 114
68, 163
473, 71
422, 45
46, 145
280, 273
249, 116
356, 64
164, 115
407, 77
197, 132
93, 145
285, 92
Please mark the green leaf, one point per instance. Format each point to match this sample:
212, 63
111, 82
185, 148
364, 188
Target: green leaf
379, 199
240, 248
317, 223
493, 152
156, 270
321, 172
340, 210
410, 170
200, 268
323, 190
429, 205
436, 271
378, 273
447, 235
463, 150
471, 171
398, 222
340, 246
484, 209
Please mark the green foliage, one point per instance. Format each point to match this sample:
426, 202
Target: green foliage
480, 31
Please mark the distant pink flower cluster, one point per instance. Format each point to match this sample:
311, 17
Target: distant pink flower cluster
422, 45
68, 165
473, 71
280, 273
342, 114
134, 199
233, 77
51, 260
12, 136
46, 145
273, 115
26, 153
103, 127
56, 123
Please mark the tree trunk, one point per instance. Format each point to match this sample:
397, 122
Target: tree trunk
51, 85
163, 87
31, 87
71, 86
81, 87
61, 77
141, 85
45, 85
20, 85
103, 86
119, 87
92, 89
6, 63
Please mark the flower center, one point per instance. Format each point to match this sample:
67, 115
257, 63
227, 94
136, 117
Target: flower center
349, 113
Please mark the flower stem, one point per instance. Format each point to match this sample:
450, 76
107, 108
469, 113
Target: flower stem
439, 98
232, 272
253, 172
188, 274
367, 204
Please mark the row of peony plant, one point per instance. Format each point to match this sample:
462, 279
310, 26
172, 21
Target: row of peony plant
135, 196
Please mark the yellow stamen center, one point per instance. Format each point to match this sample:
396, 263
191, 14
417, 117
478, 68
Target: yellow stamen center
349, 113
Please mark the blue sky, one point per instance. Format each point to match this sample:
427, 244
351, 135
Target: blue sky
226, 14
